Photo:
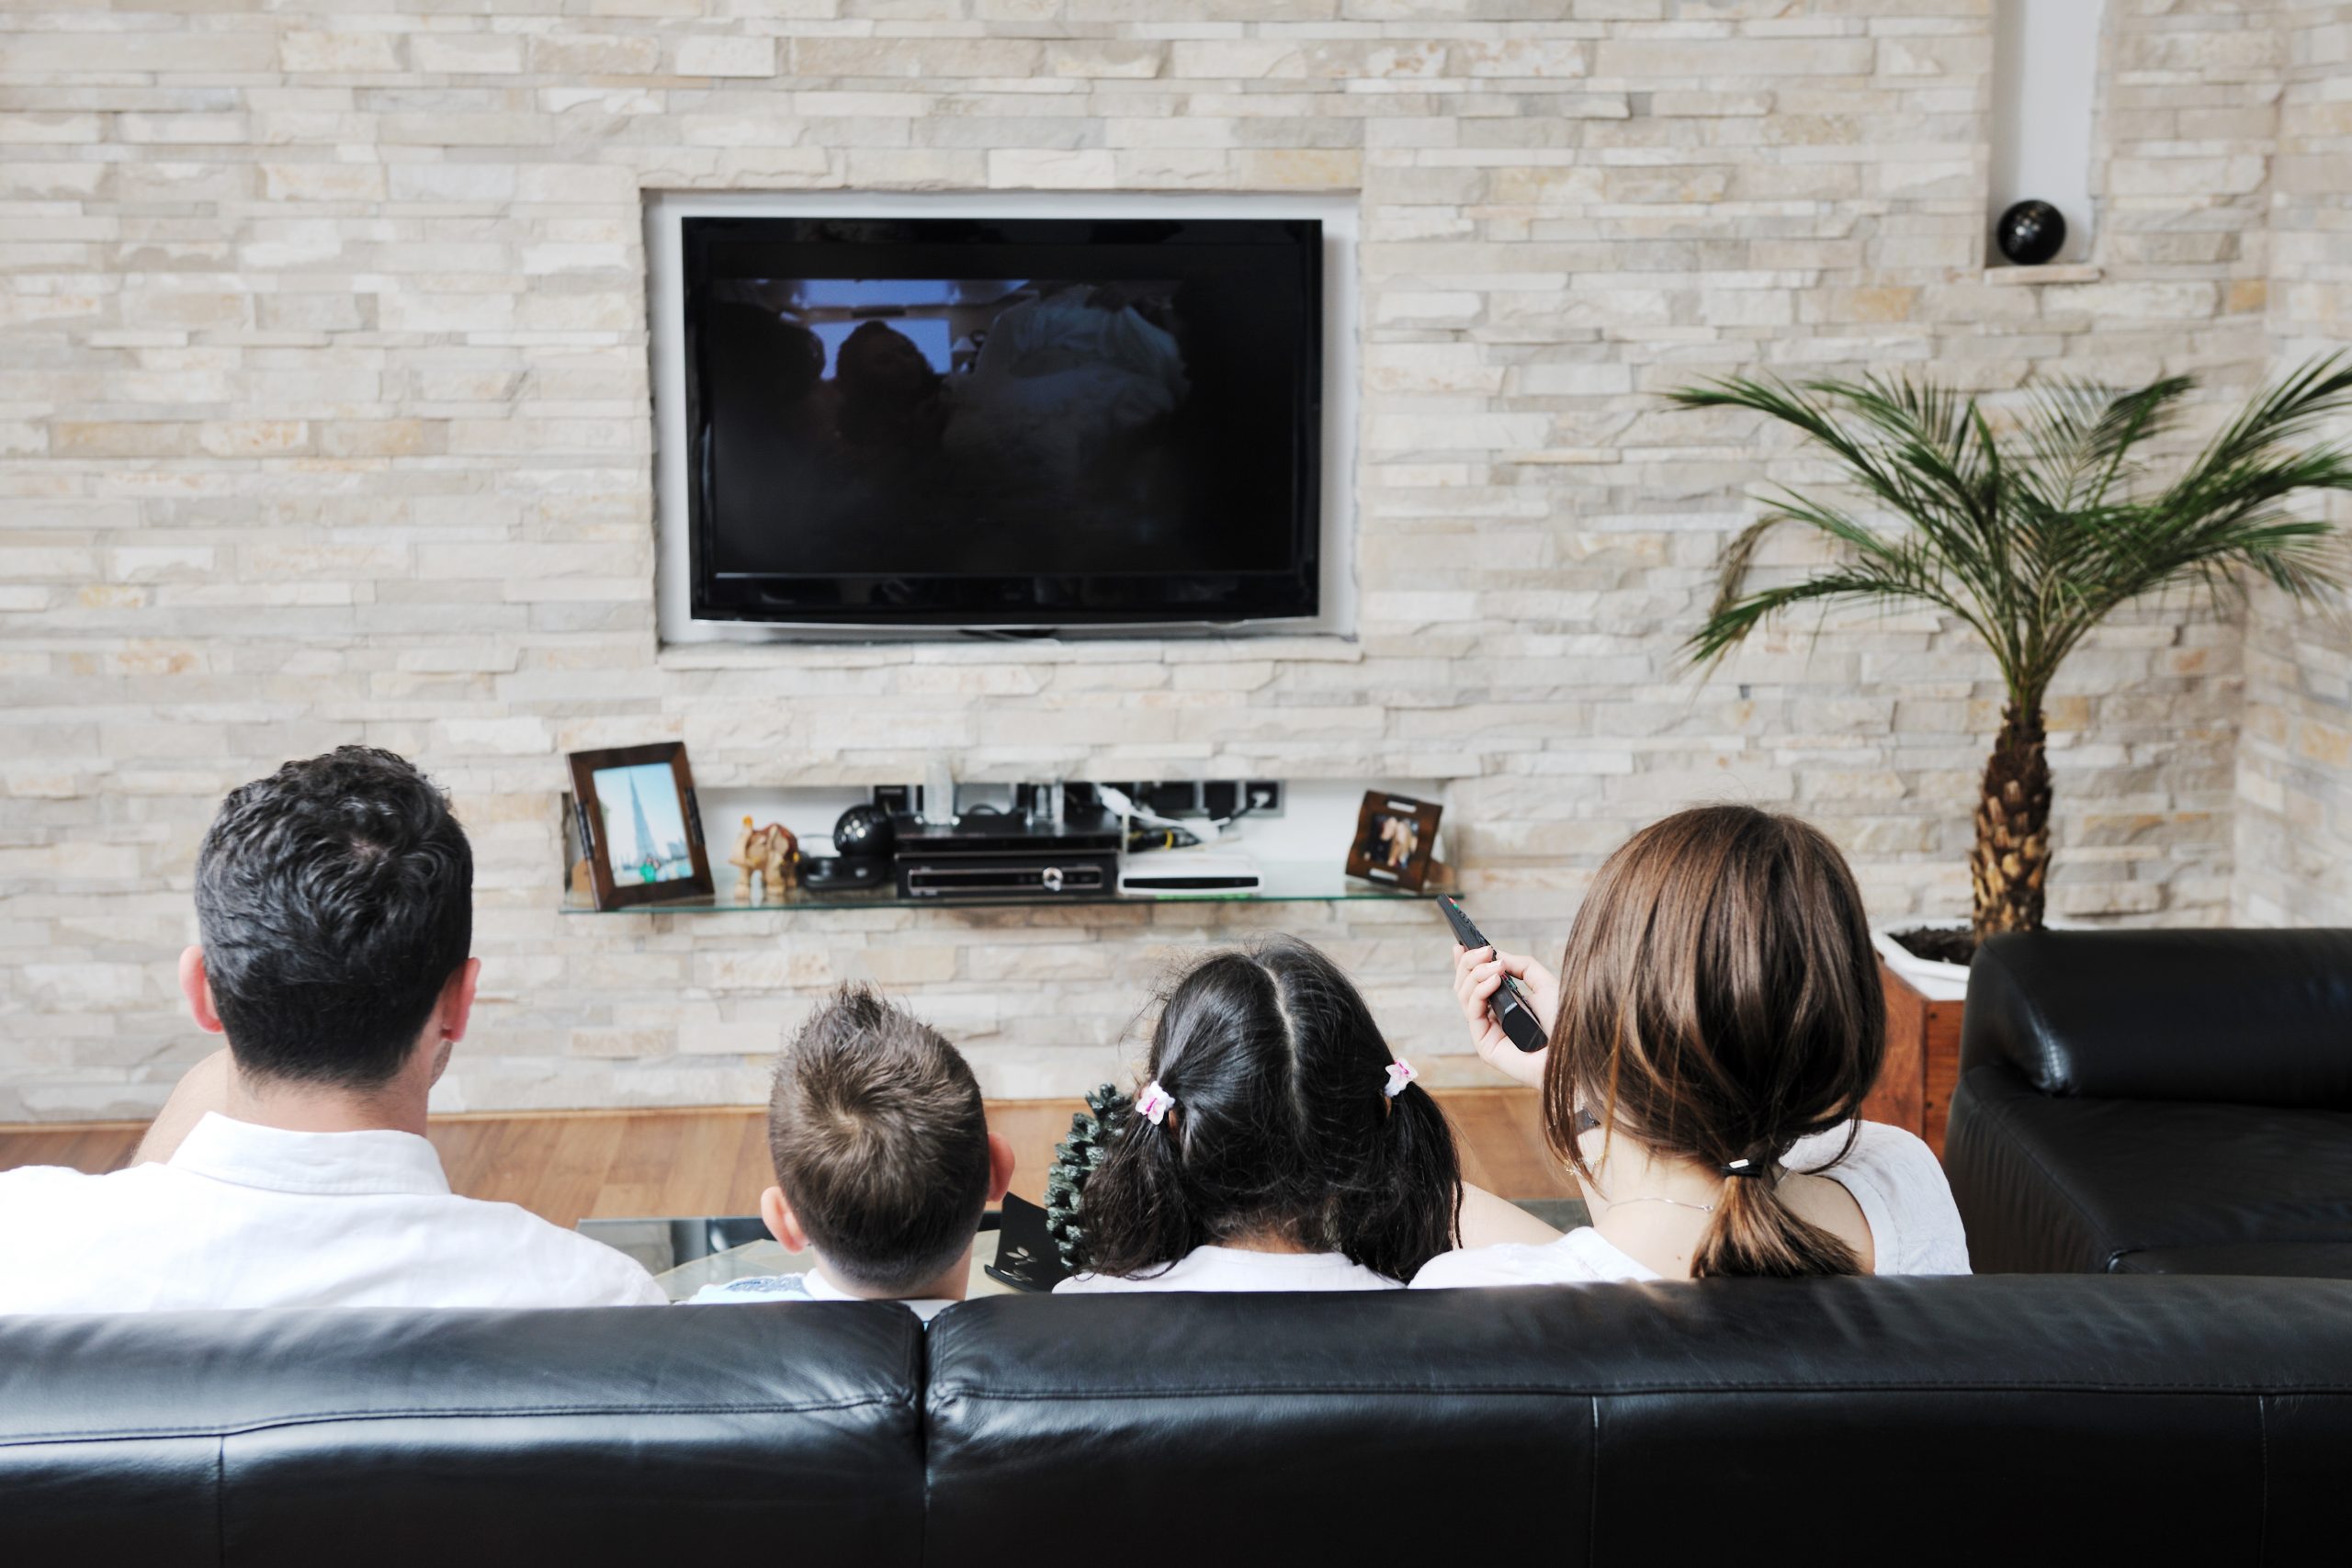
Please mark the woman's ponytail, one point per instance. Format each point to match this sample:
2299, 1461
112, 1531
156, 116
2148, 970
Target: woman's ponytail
1754, 1232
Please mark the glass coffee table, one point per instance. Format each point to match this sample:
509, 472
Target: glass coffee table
686, 1254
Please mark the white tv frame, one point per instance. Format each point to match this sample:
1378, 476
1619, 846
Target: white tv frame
664, 211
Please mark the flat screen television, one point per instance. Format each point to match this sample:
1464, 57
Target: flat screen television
1003, 423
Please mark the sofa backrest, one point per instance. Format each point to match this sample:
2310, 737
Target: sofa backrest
1914, 1421
2246, 1017
431, 1439
1919, 1421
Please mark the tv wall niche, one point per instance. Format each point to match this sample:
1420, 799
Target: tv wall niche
927, 416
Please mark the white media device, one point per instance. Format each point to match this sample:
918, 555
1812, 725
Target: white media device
1175, 874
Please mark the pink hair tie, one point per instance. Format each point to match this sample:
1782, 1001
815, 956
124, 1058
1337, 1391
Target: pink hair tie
1400, 1073
1153, 1103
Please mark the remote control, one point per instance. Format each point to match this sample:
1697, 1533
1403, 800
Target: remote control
1509, 1005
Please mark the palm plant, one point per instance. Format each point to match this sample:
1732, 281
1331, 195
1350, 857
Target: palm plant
2031, 537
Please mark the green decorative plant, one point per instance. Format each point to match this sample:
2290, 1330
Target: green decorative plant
1091, 1133
2030, 535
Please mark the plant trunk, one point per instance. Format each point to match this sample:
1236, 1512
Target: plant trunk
2012, 854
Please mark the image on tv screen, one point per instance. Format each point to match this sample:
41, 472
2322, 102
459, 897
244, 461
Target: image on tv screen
916, 427
645, 823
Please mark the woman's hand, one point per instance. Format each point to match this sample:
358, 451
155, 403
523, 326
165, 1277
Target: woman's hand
1477, 975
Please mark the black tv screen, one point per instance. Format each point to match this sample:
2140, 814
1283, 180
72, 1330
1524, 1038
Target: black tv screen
1003, 423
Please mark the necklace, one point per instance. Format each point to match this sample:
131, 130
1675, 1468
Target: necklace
1701, 1208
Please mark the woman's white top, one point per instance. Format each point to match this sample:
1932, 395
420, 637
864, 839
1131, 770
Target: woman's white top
1232, 1269
1894, 1179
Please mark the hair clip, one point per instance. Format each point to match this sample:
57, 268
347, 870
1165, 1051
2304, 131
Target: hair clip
1153, 1103
1743, 1166
1400, 1073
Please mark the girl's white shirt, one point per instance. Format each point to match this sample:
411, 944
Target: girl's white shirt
1233, 1269
1895, 1179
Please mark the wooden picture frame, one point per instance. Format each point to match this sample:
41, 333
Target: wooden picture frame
661, 837
1396, 841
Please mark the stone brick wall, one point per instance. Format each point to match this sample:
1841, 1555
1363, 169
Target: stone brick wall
324, 417
2294, 817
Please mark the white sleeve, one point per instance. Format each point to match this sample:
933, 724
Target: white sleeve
1507, 1263
1449, 1272
1929, 1236
1901, 1186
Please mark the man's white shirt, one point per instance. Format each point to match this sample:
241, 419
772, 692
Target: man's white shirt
253, 1216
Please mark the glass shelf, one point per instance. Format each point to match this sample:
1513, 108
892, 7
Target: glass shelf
1281, 881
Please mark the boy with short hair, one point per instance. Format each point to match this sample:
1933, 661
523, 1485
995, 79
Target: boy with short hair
884, 1161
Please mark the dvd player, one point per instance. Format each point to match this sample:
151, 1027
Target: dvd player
998, 854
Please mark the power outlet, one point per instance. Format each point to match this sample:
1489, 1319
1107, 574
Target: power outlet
1181, 798
1215, 798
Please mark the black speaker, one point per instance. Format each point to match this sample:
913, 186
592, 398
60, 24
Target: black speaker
2030, 232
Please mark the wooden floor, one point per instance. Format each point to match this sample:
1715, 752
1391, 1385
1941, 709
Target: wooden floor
568, 1165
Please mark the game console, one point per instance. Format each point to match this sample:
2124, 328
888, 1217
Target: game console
1175, 873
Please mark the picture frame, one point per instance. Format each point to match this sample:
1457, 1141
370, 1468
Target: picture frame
639, 801
1396, 841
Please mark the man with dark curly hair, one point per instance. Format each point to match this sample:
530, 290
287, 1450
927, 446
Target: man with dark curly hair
334, 905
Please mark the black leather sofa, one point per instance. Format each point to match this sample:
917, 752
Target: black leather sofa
1912, 1421
2157, 1103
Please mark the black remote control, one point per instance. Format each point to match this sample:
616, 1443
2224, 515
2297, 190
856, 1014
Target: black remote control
1509, 1005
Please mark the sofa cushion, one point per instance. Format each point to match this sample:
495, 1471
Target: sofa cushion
364, 1437
2100, 1420
2246, 1017
2053, 1183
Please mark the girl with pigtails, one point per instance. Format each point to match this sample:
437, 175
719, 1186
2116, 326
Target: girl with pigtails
1278, 1145
1715, 1027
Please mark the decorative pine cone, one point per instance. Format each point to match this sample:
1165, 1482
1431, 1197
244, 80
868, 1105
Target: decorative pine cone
1091, 1133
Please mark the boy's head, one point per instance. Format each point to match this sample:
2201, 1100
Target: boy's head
883, 1156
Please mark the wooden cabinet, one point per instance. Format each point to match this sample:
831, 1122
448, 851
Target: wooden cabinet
1914, 1086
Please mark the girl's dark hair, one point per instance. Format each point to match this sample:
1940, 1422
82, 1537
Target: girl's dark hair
1280, 1128
1719, 1000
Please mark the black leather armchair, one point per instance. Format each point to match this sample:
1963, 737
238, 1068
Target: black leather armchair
2169, 1102
1733, 1421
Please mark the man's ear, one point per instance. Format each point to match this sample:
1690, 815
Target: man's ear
1000, 1169
198, 988
455, 1008
782, 1222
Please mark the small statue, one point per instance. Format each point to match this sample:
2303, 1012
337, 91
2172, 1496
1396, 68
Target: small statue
769, 854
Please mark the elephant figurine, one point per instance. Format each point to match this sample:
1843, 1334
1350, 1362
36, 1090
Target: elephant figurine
769, 855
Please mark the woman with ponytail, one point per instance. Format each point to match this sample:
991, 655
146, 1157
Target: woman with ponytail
1715, 1027
1278, 1145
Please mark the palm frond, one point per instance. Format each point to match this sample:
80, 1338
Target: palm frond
2031, 541
1921, 452
2214, 522
2079, 437
2292, 409
1894, 574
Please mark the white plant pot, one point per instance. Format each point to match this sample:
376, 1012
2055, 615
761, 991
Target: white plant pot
1936, 980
